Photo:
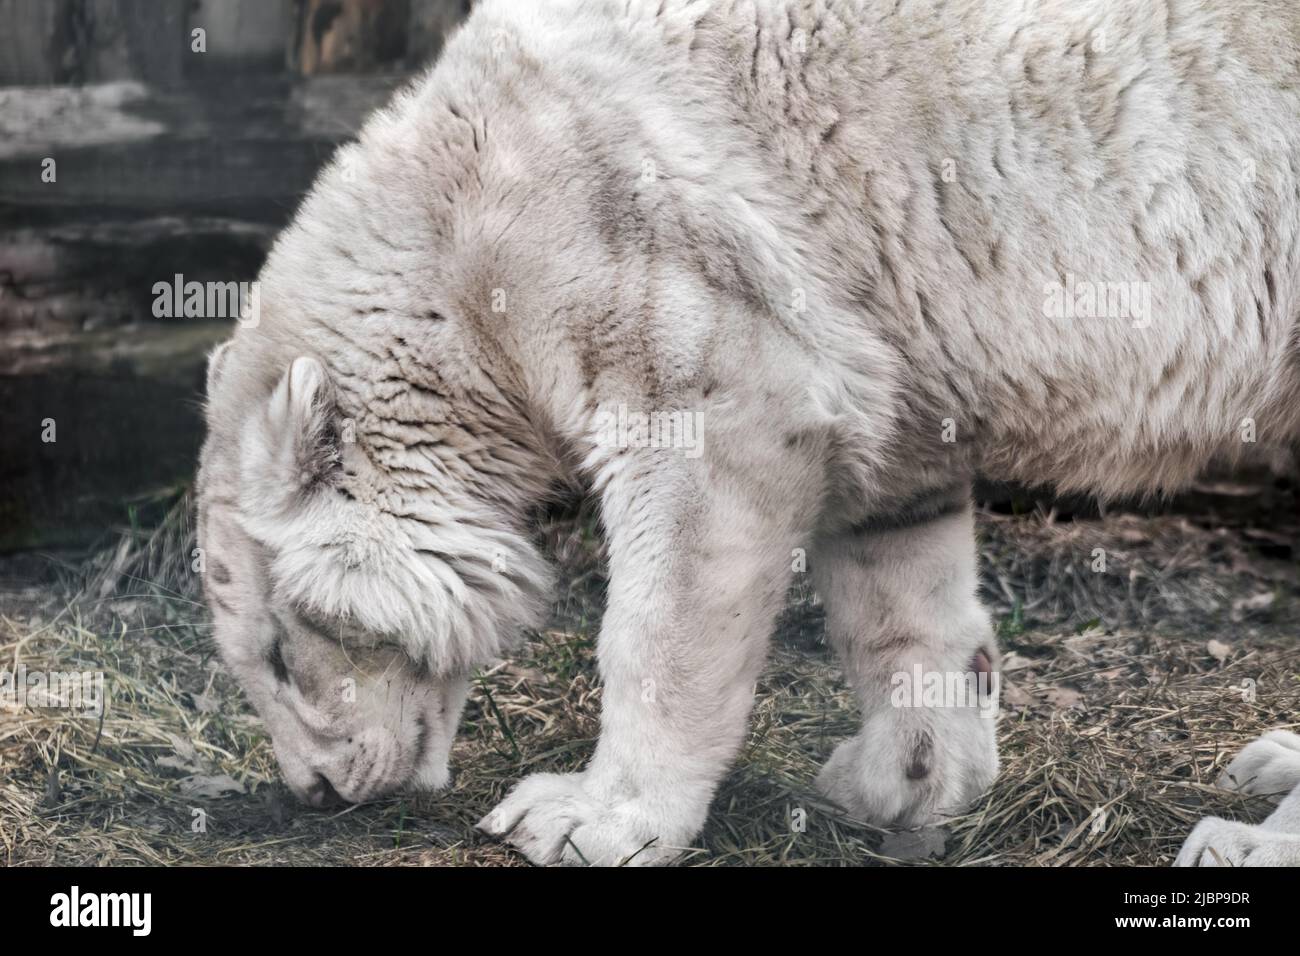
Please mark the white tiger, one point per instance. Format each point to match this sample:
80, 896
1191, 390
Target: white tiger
864, 249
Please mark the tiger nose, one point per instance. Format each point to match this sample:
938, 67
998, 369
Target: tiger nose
322, 793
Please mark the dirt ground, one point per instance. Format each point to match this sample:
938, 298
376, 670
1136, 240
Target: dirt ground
1125, 692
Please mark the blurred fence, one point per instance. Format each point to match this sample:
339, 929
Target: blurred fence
155, 41
141, 140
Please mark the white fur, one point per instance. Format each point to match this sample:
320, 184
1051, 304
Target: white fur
1268, 765
831, 230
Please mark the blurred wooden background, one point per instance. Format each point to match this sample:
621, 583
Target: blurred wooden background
96, 41
131, 150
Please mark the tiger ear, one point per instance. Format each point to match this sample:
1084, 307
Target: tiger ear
216, 358
293, 447
299, 399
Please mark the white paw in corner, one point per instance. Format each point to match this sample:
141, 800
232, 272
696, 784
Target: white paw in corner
1268, 765
1218, 842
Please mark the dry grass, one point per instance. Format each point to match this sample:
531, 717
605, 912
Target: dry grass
1125, 694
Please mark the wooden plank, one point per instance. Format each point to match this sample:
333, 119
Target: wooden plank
248, 143
243, 35
32, 43
93, 41
351, 36
195, 182
342, 36
144, 40
126, 422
